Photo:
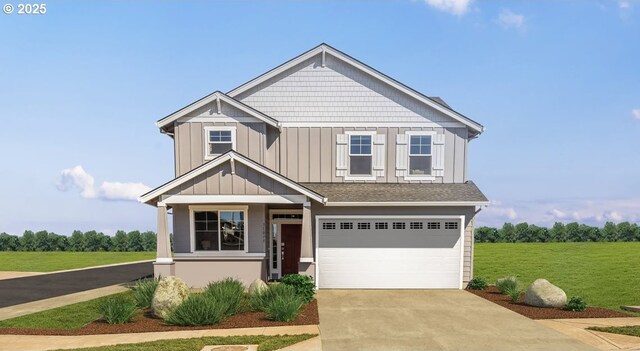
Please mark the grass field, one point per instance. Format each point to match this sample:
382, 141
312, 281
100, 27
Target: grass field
632, 330
55, 261
604, 274
264, 342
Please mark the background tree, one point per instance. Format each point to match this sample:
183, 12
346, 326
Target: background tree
42, 242
573, 232
9, 242
609, 232
120, 241
558, 232
76, 241
134, 241
149, 241
28, 241
508, 233
522, 232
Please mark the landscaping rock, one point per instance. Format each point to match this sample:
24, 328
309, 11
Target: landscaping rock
541, 293
258, 286
171, 291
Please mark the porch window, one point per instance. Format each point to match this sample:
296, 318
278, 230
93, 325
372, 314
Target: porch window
219, 230
360, 155
219, 140
420, 155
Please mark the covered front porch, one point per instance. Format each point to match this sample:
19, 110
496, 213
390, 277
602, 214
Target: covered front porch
262, 237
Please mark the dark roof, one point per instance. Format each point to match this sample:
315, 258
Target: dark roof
402, 192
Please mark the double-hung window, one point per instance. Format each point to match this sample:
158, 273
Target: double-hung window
219, 140
360, 155
219, 230
420, 157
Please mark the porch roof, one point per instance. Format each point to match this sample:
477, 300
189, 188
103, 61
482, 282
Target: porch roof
459, 194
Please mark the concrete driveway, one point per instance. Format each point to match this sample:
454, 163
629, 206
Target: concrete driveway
429, 320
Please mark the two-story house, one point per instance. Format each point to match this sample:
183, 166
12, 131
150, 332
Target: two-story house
322, 166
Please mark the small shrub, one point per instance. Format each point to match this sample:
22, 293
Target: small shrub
143, 292
197, 309
118, 309
576, 304
284, 308
505, 284
260, 301
477, 283
228, 292
514, 294
303, 285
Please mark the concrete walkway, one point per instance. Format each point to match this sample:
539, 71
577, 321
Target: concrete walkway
44, 286
54, 302
429, 320
576, 328
42, 343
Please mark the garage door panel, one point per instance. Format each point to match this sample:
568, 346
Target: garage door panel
388, 259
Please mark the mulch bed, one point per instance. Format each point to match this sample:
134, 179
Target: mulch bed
144, 323
492, 294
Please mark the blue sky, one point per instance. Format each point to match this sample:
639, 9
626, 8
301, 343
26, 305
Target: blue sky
556, 83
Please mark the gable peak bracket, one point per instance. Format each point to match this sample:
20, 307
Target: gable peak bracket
324, 54
218, 105
233, 166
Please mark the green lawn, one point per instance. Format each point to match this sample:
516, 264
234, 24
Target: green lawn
55, 261
633, 330
66, 317
604, 274
266, 343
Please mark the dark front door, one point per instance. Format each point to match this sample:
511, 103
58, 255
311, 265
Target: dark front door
290, 236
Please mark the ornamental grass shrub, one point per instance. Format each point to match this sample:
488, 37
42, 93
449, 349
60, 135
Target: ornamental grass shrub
143, 292
118, 309
508, 283
196, 310
228, 292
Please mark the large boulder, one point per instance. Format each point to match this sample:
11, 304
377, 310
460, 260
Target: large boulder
257, 286
171, 291
541, 293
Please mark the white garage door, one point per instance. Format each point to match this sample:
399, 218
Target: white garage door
369, 252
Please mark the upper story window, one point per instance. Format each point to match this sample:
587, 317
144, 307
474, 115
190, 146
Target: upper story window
219, 140
420, 156
360, 155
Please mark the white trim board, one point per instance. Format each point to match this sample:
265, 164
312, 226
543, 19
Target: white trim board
216, 96
409, 203
230, 155
323, 49
231, 199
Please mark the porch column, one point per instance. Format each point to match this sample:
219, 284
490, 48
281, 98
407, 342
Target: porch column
163, 266
306, 249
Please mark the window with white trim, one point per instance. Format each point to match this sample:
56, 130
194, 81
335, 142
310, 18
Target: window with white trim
433, 225
398, 225
420, 157
219, 140
364, 225
360, 155
219, 230
415, 225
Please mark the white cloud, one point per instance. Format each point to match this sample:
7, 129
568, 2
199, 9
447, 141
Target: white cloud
455, 7
623, 4
636, 113
509, 19
77, 177
498, 212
